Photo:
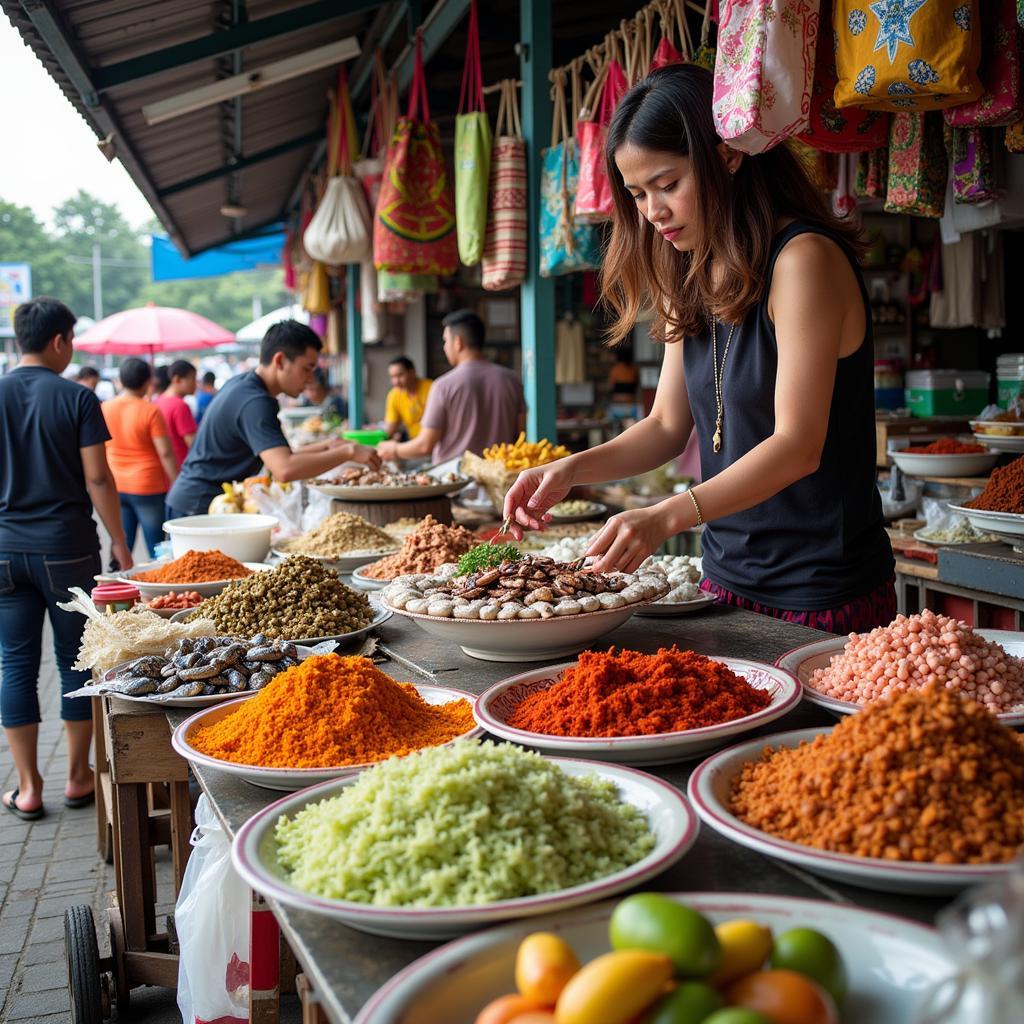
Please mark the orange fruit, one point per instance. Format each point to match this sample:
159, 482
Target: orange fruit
505, 1009
784, 997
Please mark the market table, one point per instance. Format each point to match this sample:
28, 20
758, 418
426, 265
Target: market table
345, 966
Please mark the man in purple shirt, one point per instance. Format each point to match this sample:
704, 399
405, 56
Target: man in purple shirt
475, 404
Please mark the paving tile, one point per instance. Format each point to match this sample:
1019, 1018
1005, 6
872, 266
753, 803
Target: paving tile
55, 905
13, 935
28, 876
8, 963
43, 953
42, 978
17, 908
33, 1005
13, 833
47, 929
70, 870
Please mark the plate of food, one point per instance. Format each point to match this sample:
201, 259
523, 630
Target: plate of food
576, 510
836, 673
553, 708
1002, 524
956, 537
150, 588
341, 541
506, 606
759, 792
364, 582
362, 484
169, 604
292, 779
419, 846
455, 982
342, 563
918, 462
1009, 427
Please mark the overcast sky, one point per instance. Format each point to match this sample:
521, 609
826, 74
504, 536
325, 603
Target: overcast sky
50, 151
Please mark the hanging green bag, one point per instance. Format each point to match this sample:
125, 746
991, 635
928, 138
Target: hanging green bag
472, 153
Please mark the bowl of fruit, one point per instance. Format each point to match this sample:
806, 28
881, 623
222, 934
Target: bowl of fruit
167, 605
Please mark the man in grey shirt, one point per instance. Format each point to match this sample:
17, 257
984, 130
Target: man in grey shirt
475, 404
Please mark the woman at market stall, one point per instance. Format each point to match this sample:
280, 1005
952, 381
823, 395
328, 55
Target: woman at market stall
755, 288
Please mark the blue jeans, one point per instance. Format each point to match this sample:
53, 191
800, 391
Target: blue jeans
31, 586
147, 511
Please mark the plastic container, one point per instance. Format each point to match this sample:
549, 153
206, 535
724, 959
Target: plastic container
1009, 377
946, 392
888, 384
243, 537
370, 437
115, 597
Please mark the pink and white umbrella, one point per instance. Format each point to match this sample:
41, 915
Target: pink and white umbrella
152, 329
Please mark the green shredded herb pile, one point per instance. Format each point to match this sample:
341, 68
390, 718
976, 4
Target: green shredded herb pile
487, 556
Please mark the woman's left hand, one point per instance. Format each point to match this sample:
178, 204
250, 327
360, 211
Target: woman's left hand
629, 538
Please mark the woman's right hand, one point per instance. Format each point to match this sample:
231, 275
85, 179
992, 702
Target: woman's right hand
535, 492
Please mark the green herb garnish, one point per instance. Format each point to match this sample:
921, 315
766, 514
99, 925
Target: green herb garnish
487, 556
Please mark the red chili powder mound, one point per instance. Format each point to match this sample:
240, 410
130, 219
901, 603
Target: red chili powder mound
1005, 490
947, 446
626, 693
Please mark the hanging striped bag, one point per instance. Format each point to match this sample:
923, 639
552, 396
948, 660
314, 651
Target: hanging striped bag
505, 246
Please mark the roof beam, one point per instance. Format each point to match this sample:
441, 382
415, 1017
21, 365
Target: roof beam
241, 163
219, 43
440, 24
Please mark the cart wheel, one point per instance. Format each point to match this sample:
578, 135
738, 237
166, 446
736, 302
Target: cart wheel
122, 991
83, 959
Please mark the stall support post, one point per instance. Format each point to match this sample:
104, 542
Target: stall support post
537, 294
354, 338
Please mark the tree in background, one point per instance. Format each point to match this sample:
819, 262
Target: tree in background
24, 239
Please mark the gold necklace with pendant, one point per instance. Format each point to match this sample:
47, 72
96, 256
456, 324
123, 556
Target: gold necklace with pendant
716, 440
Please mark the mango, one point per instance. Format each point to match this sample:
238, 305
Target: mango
613, 988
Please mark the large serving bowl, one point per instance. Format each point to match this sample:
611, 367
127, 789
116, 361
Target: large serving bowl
287, 779
668, 814
891, 962
208, 589
709, 791
969, 464
245, 537
1007, 525
494, 707
363, 582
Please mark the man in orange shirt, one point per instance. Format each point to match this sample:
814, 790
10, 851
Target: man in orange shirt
140, 455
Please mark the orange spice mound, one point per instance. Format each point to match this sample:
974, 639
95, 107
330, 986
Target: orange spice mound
196, 567
331, 711
926, 775
627, 693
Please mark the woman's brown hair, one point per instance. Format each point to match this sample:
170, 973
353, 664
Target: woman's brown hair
669, 111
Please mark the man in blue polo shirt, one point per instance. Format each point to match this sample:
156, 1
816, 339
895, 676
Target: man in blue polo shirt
240, 431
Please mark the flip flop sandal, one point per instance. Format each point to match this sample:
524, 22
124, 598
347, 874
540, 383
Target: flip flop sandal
80, 801
11, 804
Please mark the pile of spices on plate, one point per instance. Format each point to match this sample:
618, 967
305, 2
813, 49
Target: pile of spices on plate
946, 446
913, 651
462, 825
1004, 492
176, 600
339, 534
626, 693
196, 567
331, 711
431, 545
299, 599
925, 776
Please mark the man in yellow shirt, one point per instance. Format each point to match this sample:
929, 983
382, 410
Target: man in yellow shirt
407, 398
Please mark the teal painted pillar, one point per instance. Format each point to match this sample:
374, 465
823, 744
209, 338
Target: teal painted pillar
354, 338
537, 302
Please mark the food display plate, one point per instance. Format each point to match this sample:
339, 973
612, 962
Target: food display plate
1001, 443
920, 535
151, 590
289, 779
343, 492
997, 428
366, 582
302, 651
803, 661
709, 790
669, 815
522, 639
380, 616
891, 961
346, 563
968, 464
667, 609
494, 706
1003, 524
596, 512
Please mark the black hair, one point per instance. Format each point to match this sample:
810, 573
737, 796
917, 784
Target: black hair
209, 377
87, 373
38, 321
468, 326
134, 373
291, 339
403, 361
181, 368
162, 375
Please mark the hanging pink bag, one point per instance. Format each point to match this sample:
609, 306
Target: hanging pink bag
764, 70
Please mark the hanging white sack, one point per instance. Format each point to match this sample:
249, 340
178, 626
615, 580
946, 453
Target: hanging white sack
370, 309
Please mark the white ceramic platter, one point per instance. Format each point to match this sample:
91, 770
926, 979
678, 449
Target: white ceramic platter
344, 564
522, 639
709, 790
151, 590
288, 779
367, 582
668, 609
189, 702
969, 464
494, 706
891, 962
380, 616
355, 493
596, 512
668, 814
803, 661
1001, 443
1007, 428
1003, 524
920, 535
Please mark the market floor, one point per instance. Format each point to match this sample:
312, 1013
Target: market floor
48, 865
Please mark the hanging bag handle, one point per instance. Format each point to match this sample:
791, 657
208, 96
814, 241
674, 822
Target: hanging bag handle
667, 19
471, 95
374, 139
705, 25
419, 105
344, 161
516, 124
575, 77
588, 110
560, 126
332, 133
645, 43
608, 98
686, 48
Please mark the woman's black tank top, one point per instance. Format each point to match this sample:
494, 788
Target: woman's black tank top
821, 541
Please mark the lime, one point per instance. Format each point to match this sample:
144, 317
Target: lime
736, 1015
814, 955
690, 1003
656, 923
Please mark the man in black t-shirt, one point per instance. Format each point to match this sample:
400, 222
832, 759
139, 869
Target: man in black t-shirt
241, 431
53, 472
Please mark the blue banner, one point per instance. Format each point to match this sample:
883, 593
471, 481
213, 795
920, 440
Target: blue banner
258, 253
